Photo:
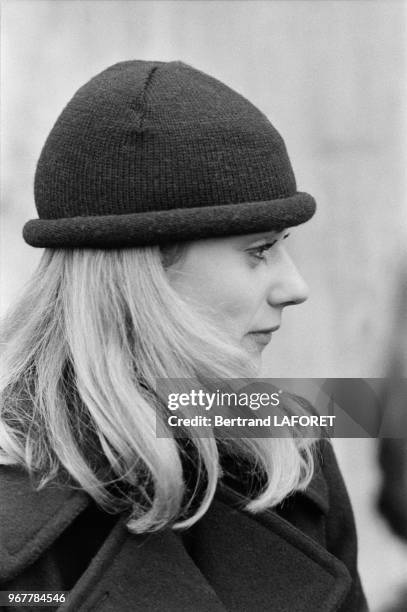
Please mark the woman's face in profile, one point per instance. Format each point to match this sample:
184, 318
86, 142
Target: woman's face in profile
244, 281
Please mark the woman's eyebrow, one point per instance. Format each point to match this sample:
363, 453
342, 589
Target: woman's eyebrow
267, 236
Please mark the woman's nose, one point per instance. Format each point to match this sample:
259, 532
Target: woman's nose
287, 286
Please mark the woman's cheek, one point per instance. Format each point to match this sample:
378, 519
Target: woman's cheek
239, 308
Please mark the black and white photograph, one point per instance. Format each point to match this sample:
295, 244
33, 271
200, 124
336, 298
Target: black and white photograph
203, 305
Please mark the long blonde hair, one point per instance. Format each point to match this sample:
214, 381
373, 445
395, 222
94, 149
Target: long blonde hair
82, 350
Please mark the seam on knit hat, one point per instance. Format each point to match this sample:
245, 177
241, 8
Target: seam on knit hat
144, 94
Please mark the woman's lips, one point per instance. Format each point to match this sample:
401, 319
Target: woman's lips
261, 337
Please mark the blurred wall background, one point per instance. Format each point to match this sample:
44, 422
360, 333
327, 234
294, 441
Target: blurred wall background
331, 76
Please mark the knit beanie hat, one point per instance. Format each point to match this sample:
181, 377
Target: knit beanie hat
155, 152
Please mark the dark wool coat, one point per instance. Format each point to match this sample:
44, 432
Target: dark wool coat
300, 557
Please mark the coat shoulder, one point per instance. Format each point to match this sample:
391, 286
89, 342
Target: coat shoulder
31, 519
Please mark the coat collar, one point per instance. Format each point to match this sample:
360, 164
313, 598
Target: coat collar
156, 573
35, 519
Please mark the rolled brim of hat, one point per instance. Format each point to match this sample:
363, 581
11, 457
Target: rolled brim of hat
175, 225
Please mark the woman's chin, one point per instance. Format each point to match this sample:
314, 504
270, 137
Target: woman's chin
252, 345
254, 352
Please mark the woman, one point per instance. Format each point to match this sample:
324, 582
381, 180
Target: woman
163, 200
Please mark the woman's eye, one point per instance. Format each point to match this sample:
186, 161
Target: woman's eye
260, 251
